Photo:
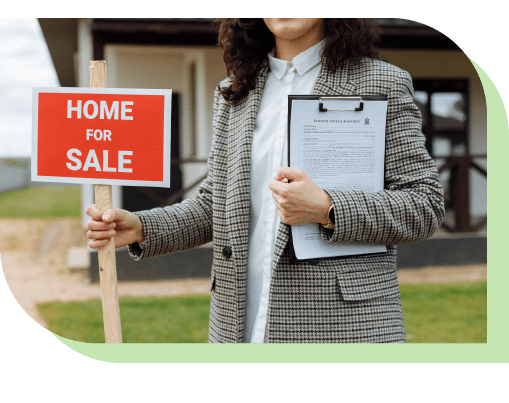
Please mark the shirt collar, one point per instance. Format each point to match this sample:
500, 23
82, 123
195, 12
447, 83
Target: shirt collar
303, 62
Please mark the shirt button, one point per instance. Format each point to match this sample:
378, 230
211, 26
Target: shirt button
227, 252
291, 65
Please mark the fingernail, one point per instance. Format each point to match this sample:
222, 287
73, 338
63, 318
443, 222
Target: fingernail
106, 217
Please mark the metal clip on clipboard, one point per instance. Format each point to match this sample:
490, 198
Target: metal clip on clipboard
322, 109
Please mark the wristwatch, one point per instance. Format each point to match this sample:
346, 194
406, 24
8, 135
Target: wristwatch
331, 218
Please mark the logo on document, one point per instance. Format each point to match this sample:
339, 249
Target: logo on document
366, 121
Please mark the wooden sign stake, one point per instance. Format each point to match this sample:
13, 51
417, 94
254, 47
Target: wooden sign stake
107, 262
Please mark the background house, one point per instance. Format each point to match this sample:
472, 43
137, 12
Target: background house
182, 54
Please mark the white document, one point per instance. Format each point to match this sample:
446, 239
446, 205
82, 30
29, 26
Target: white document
339, 150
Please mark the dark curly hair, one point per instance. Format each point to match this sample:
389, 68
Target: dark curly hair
246, 43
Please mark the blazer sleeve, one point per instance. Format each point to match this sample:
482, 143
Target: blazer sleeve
181, 226
411, 206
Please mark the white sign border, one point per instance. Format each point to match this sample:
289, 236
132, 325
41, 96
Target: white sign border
167, 93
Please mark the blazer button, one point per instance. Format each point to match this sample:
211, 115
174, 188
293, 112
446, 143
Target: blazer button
227, 252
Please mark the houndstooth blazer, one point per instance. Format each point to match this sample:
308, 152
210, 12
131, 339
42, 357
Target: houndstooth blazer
348, 299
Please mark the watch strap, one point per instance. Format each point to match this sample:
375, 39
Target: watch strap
331, 218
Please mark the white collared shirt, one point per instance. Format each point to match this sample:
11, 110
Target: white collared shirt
268, 154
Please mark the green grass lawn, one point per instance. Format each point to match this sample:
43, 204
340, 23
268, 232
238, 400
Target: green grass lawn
43, 202
434, 313
182, 319
445, 313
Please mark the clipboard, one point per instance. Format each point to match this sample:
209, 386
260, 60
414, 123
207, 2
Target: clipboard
329, 105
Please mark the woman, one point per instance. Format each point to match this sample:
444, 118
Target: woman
245, 206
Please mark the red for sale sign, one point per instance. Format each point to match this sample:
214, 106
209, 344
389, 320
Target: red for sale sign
105, 136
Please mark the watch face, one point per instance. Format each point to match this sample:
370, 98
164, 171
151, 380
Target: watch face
331, 216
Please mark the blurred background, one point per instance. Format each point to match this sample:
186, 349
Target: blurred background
42, 226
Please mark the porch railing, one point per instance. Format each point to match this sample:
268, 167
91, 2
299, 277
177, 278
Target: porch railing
459, 167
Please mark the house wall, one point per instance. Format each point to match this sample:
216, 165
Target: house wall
160, 67
82, 62
131, 66
166, 67
449, 65
454, 64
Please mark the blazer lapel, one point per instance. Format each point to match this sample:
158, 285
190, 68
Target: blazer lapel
327, 83
338, 83
240, 135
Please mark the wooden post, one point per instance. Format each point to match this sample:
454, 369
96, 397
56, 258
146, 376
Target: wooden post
107, 262
461, 193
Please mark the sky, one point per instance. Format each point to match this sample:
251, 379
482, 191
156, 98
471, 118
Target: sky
24, 63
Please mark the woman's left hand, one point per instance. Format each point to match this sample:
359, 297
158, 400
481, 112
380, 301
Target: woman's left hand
300, 202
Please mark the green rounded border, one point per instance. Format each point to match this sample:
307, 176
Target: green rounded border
494, 351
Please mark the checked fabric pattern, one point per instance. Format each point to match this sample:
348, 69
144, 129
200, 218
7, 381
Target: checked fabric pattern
345, 300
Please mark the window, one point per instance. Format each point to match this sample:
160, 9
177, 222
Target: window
444, 106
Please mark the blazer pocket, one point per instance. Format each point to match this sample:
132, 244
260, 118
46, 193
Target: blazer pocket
369, 284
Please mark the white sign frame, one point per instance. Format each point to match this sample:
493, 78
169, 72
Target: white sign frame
167, 93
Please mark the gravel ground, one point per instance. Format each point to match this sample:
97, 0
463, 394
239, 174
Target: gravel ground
33, 256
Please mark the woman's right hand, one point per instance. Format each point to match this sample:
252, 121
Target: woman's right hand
125, 226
